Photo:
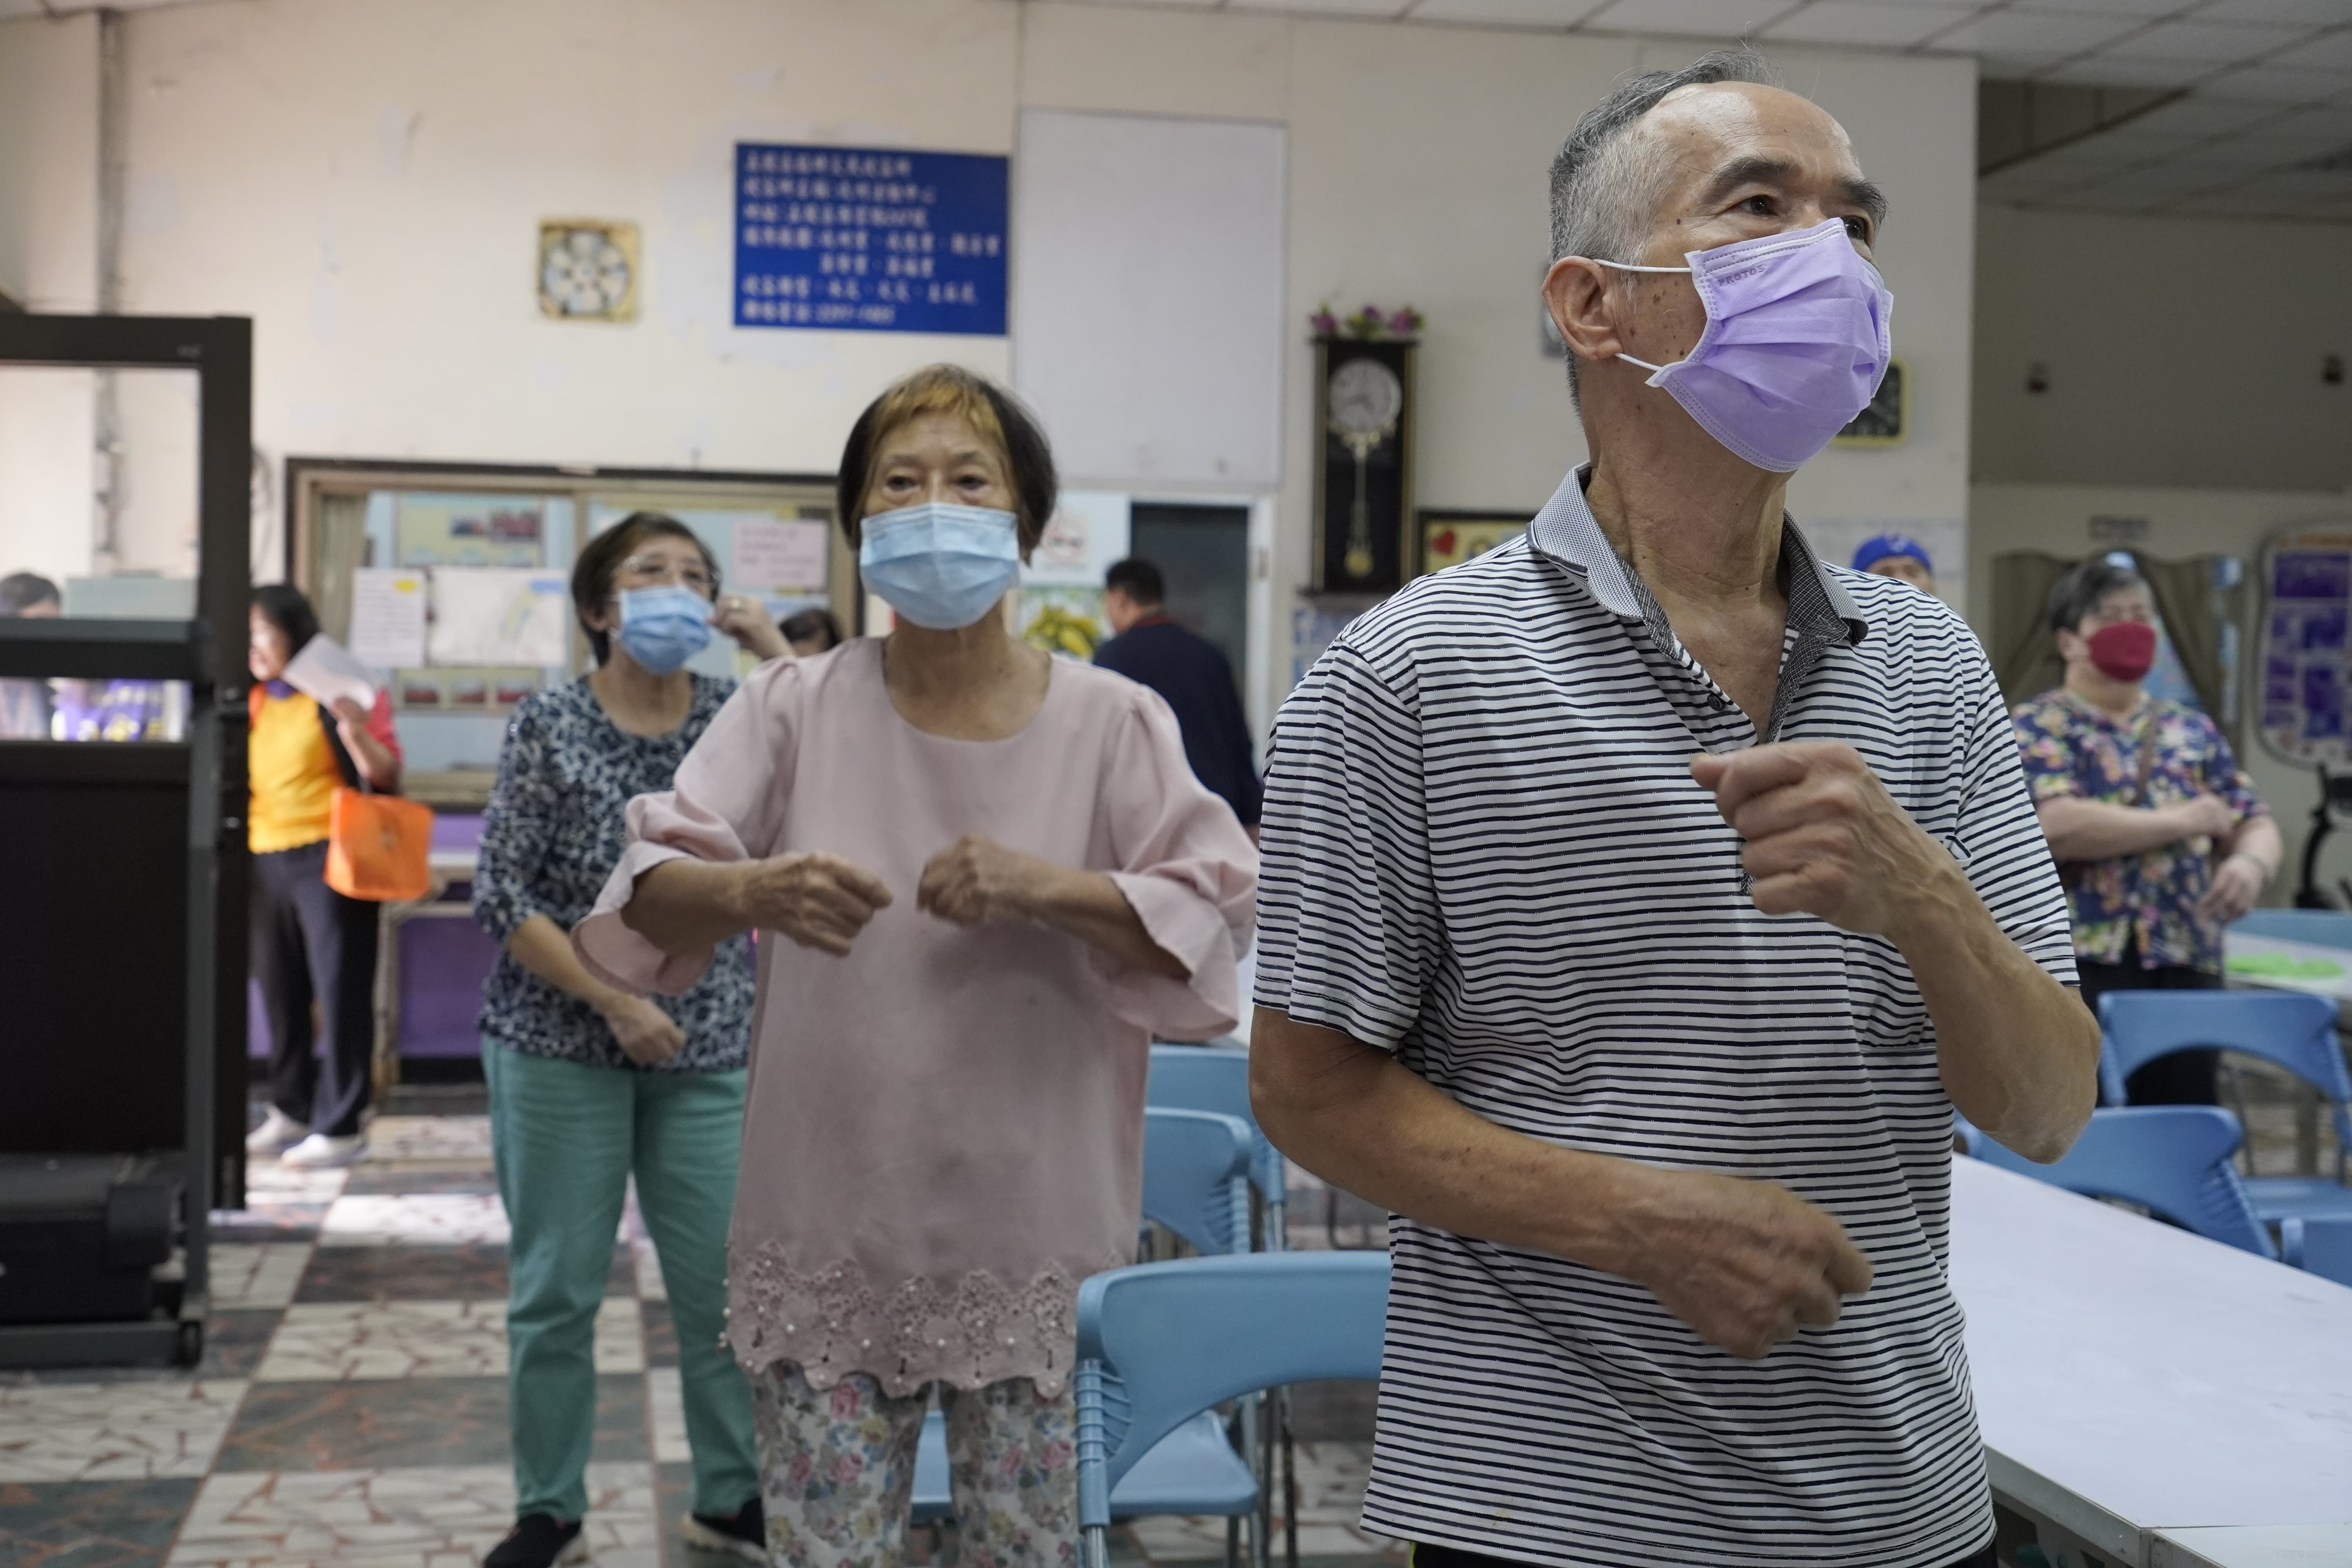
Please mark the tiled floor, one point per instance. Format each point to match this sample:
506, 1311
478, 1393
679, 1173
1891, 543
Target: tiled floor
351, 1409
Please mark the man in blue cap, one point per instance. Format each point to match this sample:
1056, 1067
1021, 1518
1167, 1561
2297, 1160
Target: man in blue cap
1897, 555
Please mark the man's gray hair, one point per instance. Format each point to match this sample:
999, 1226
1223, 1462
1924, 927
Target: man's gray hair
1605, 184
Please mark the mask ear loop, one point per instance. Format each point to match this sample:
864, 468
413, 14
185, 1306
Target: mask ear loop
1634, 266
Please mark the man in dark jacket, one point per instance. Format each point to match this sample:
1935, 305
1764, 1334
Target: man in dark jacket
1189, 672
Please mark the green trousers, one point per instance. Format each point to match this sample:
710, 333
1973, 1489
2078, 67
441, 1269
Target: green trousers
566, 1137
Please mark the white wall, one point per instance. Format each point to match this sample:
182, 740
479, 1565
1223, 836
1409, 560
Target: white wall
48, 260
365, 178
2179, 352
2183, 522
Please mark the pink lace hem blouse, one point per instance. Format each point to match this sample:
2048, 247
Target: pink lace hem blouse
944, 1128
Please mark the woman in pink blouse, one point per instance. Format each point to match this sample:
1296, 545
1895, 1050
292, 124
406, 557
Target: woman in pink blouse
997, 879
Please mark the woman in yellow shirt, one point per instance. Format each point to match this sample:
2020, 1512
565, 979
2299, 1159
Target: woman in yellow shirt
309, 943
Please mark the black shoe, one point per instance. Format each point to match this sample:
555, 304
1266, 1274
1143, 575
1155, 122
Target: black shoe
744, 1533
539, 1540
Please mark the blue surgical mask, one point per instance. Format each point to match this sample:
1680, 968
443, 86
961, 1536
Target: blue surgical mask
941, 566
663, 628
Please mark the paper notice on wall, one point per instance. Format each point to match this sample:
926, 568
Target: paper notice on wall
387, 617
771, 555
325, 670
489, 615
1088, 532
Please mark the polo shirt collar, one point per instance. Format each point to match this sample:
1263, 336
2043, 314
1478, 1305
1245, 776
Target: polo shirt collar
1566, 530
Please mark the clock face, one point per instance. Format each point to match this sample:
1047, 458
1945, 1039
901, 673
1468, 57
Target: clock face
1365, 398
584, 273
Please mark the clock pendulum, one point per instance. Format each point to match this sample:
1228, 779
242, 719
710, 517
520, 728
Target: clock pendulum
1365, 398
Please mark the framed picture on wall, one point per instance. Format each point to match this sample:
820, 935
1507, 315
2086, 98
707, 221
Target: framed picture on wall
1887, 421
1443, 539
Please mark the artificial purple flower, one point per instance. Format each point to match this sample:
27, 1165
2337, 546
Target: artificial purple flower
1325, 323
1406, 322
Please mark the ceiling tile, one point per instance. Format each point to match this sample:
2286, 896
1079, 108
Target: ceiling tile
2280, 84
2320, 13
2235, 152
2008, 65
2034, 32
2143, 9
2325, 128
2105, 70
1329, 7
1852, 22
2331, 50
2211, 43
2198, 115
1509, 13
1701, 18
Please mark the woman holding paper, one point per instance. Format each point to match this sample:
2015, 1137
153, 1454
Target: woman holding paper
310, 735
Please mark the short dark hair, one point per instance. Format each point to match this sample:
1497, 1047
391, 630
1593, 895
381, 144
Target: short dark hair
987, 408
286, 607
2086, 585
811, 624
593, 572
20, 591
1139, 579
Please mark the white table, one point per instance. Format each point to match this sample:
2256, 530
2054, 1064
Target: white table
2171, 1402
2237, 945
2252, 1546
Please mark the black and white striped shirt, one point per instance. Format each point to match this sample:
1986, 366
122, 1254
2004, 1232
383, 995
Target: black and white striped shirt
1484, 851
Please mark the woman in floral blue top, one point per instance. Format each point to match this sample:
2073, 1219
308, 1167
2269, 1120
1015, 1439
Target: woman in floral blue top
2159, 835
590, 1086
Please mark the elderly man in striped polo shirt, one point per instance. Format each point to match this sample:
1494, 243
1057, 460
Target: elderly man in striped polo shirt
1639, 901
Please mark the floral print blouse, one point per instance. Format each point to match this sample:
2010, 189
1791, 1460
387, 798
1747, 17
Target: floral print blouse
556, 827
2071, 748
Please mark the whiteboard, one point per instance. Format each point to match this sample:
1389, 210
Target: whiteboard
1148, 296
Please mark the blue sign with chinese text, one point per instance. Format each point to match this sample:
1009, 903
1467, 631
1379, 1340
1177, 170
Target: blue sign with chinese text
869, 239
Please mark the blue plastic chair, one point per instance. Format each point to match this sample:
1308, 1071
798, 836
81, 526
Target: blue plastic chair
1196, 1177
2321, 928
1216, 1078
2321, 1247
2286, 1028
2172, 1160
1196, 1169
1161, 1344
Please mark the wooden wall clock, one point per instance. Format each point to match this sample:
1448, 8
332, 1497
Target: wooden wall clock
1363, 486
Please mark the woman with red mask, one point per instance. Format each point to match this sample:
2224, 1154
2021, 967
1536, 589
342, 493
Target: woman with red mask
2157, 832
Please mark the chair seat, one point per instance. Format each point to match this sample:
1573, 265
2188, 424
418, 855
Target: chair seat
2297, 1197
1193, 1469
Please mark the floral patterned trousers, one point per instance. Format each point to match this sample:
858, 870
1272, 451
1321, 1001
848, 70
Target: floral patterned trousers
837, 1471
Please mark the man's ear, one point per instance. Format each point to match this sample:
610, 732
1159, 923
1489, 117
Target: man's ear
1583, 307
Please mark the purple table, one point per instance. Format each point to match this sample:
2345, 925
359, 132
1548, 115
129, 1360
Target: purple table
432, 961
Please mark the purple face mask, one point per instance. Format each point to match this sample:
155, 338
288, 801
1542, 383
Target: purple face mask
1796, 342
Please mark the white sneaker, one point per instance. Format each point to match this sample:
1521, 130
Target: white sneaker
320, 1152
277, 1134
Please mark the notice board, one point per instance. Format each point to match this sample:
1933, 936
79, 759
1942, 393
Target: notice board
869, 239
2305, 679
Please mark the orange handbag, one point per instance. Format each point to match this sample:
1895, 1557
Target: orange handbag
379, 847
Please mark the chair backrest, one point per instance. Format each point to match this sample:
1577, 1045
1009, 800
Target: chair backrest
1215, 1078
1196, 1168
2318, 1246
1160, 1342
2287, 1028
2173, 1160
2321, 928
